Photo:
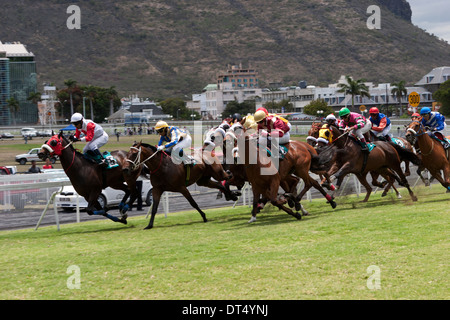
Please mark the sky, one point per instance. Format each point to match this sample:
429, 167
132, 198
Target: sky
432, 16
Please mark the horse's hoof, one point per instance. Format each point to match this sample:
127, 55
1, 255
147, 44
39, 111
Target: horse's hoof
148, 227
252, 219
124, 221
414, 198
298, 216
383, 194
333, 204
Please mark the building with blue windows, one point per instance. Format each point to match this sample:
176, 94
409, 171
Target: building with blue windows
18, 79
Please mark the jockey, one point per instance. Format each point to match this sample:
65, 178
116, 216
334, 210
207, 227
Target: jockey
94, 135
381, 124
272, 126
356, 123
331, 120
436, 124
416, 116
175, 140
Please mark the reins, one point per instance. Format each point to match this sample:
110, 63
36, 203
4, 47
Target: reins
421, 132
137, 162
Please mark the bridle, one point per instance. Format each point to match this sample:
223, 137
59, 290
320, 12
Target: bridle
137, 162
419, 133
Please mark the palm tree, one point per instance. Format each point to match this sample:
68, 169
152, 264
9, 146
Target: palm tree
112, 94
399, 91
71, 84
90, 92
13, 106
34, 97
354, 88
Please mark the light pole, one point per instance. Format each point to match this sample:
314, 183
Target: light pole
177, 115
319, 114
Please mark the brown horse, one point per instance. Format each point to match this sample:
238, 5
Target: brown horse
89, 178
345, 156
165, 175
313, 133
297, 161
434, 157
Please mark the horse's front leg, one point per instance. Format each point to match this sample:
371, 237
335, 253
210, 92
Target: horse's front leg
185, 192
156, 193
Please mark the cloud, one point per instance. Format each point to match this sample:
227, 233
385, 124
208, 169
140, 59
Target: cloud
432, 16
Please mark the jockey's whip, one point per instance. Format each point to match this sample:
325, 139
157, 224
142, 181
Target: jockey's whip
341, 135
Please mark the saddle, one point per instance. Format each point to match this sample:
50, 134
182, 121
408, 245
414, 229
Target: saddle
282, 151
110, 160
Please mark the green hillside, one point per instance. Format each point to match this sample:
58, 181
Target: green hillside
175, 47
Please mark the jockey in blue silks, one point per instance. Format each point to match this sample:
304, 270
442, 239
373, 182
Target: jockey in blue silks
436, 124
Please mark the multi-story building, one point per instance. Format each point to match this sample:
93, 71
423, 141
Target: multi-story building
18, 66
239, 77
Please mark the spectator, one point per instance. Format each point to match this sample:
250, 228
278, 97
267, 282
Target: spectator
34, 168
47, 165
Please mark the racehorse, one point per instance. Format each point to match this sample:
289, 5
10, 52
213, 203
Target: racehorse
434, 157
297, 161
89, 178
345, 156
165, 175
313, 133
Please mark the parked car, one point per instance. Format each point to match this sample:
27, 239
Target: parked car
32, 155
44, 133
6, 135
67, 199
28, 132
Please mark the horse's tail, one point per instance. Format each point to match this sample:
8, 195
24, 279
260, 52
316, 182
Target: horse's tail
407, 155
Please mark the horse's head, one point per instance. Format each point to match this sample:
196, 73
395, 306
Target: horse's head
414, 129
138, 154
51, 147
313, 133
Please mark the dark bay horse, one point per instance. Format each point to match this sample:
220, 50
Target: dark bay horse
165, 175
345, 156
266, 177
89, 178
434, 157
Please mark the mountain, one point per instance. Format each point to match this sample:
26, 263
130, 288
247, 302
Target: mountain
176, 47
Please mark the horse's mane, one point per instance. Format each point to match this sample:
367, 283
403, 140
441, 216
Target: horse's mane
146, 145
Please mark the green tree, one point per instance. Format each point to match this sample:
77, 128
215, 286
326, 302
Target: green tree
243, 108
442, 95
176, 107
13, 106
318, 105
354, 88
399, 91
71, 85
112, 94
34, 97
279, 106
91, 93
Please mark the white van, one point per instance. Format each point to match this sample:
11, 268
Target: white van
28, 132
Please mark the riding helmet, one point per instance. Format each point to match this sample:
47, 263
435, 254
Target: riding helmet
161, 124
237, 117
330, 117
343, 112
425, 110
76, 117
374, 110
259, 115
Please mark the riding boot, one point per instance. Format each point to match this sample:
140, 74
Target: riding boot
99, 157
364, 146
